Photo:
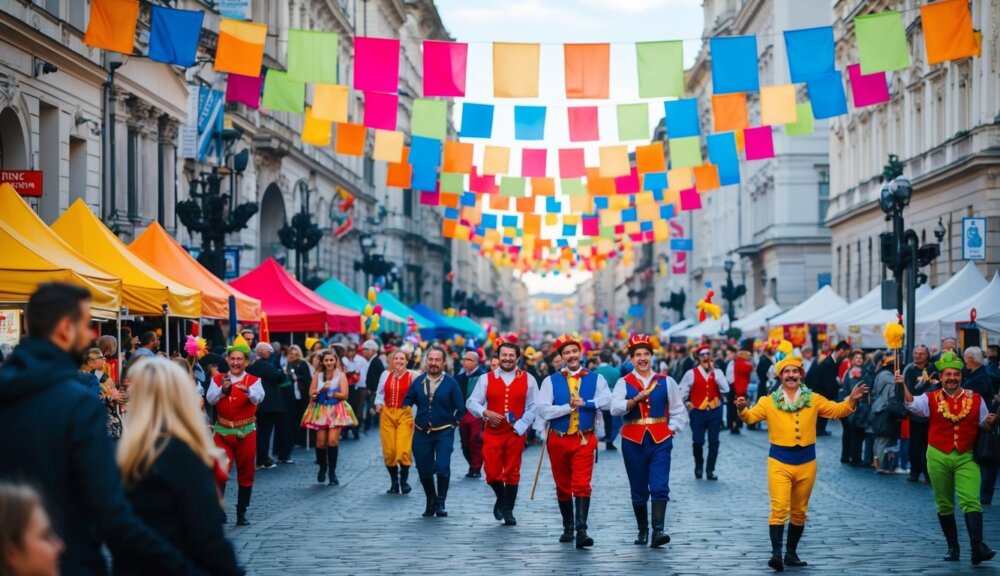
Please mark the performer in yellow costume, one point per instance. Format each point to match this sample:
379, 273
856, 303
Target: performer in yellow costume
791, 413
396, 422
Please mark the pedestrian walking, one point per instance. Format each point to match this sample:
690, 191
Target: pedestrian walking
298, 374
328, 413
919, 377
396, 422
887, 414
470, 428
702, 388
270, 412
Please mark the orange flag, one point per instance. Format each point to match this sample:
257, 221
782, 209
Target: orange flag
112, 25
240, 48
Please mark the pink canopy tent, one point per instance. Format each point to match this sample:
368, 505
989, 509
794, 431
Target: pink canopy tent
290, 306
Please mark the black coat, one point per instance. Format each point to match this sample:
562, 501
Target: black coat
271, 378
374, 374
179, 498
827, 382
980, 382
53, 436
300, 376
467, 382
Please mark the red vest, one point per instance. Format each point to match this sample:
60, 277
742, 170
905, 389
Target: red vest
741, 376
237, 406
946, 435
501, 398
703, 388
395, 389
657, 407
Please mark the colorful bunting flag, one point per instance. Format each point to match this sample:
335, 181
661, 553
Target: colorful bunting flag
112, 25
529, 122
315, 131
948, 33
573, 187
881, 42
682, 118
376, 64
543, 186
654, 180
690, 199
722, 153
734, 64
425, 151
430, 118
282, 94
661, 69
587, 70
381, 110
827, 95
174, 35
759, 143
496, 160
240, 48
729, 112
583, 125
477, 120
312, 56
452, 182
614, 161
512, 187
777, 104
685, 152
571, 163
350, 137
633, 122
445, 69
458, 157
803, 121
867, 89
425, 177
515, 70
398, 174
810, 53
244, 89
388, 147
533, 162
650, 158
330, 102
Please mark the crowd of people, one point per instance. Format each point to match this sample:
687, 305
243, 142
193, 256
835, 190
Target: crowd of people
136, 457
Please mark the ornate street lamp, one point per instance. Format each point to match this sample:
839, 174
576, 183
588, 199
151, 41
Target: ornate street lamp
303, 234
731, 292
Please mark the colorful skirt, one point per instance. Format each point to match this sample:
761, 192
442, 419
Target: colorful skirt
326, 416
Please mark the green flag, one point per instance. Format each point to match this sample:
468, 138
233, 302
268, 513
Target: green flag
661, 69
803, 124
312, 56
430, 118
633, 122
685, 152
282, 94
881, 42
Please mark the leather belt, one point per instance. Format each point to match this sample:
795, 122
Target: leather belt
647, 421
578, 432
434, 429
226, 423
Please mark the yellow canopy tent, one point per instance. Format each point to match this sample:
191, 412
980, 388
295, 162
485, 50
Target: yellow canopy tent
32, 254
146, 289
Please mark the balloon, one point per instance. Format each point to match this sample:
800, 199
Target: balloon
368, 310
374, 325
371, 295
378, 309
376, 317
464, 313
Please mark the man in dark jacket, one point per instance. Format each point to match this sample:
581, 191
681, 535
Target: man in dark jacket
374, 373
977, 379
53, 435
470, 429
827, 382
270, 413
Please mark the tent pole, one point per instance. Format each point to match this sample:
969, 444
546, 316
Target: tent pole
121, 355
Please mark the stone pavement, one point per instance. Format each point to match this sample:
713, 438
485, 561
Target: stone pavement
858, 523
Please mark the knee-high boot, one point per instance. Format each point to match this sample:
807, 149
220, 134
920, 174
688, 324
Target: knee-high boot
794, 535
582, 511
321, 460
950, 529
510, 498
699, 460
777, 534
430, 494
394, 479
331, 455
659, 537
498, 489
242, 503
442, 495
404, 476
566, 511
713, 455
642, 522
980, 551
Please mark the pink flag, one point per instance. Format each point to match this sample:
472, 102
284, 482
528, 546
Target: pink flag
867, 89
591, 225
628, 184
690, 199
244, 89
444, 69
533, 162
571, 163
380, 110
376, 64
430, 198
583, 125
759, 143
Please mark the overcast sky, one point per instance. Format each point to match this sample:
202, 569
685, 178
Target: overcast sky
552, 23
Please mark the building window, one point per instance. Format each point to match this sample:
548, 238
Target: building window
369, 170
408, 203
78, 10
824, 192
132, 177
52, 7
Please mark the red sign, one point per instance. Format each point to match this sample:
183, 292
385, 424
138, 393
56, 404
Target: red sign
26, 182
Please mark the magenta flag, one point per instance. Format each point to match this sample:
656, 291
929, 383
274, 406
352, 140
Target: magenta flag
533, 162
759, 143
690, 199
244, 89
867, 89
376, 64
380, 110
444, 68
628, 184
591, 226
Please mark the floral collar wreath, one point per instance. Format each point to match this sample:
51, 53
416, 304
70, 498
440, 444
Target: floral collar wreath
944, 409
804, 400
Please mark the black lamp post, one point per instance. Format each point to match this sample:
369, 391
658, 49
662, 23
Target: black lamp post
303, 234
900, 252
212, 213
373, 265
731, 292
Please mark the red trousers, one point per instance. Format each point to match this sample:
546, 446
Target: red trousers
572, 463
239, 451
471, 431
502, 452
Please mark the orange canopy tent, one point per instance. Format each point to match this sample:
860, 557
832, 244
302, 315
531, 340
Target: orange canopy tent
32, 254
158, 249
150, 289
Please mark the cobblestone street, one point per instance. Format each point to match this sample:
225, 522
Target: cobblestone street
858, 524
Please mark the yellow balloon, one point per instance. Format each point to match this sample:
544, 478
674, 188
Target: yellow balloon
368, 310
371, 295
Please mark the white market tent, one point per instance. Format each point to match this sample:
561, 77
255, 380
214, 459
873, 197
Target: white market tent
986, 302
820, 303
674, 329
710, 327
867, 304
864, 325
755, 323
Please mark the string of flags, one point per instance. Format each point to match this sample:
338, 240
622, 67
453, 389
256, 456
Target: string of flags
582, 214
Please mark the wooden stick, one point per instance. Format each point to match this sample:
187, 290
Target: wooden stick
541, 455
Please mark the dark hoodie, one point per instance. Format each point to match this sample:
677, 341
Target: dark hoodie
53, 436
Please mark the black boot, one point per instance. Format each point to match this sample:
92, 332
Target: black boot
321, 460
777, 534
698, 460
242, 502
498, 506
659, 517
442, 494
794, 534
510, 498
642, 522
566, 511
980, 551
713, 455
582, 511
331, 455
394, 478
428, 484
404, 476
950, 529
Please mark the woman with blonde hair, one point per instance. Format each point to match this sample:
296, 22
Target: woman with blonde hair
170, 467
396, 422
28, 544
328, 412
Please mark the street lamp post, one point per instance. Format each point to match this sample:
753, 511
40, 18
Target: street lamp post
303, 234
373, 265
731, 292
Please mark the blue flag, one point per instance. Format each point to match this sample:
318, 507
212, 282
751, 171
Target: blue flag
810, 53
734, 64
173, 35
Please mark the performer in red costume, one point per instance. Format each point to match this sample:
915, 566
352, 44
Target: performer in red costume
703, 387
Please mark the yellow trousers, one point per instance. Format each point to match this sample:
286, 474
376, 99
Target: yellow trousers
790, 486
396, 430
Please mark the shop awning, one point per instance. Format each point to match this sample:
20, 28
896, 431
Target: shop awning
811, 310
32, 254
158, 249
146, 289
469, 326
290, 306
448, 326
389, 302
337, 292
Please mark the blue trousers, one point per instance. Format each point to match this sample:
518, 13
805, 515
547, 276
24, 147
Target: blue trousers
648, 468
432, 452
706, 421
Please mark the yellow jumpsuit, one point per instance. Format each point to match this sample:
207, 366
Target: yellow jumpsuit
396, 420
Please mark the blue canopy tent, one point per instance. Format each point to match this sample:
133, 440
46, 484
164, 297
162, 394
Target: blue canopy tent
392, 304
449, 326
